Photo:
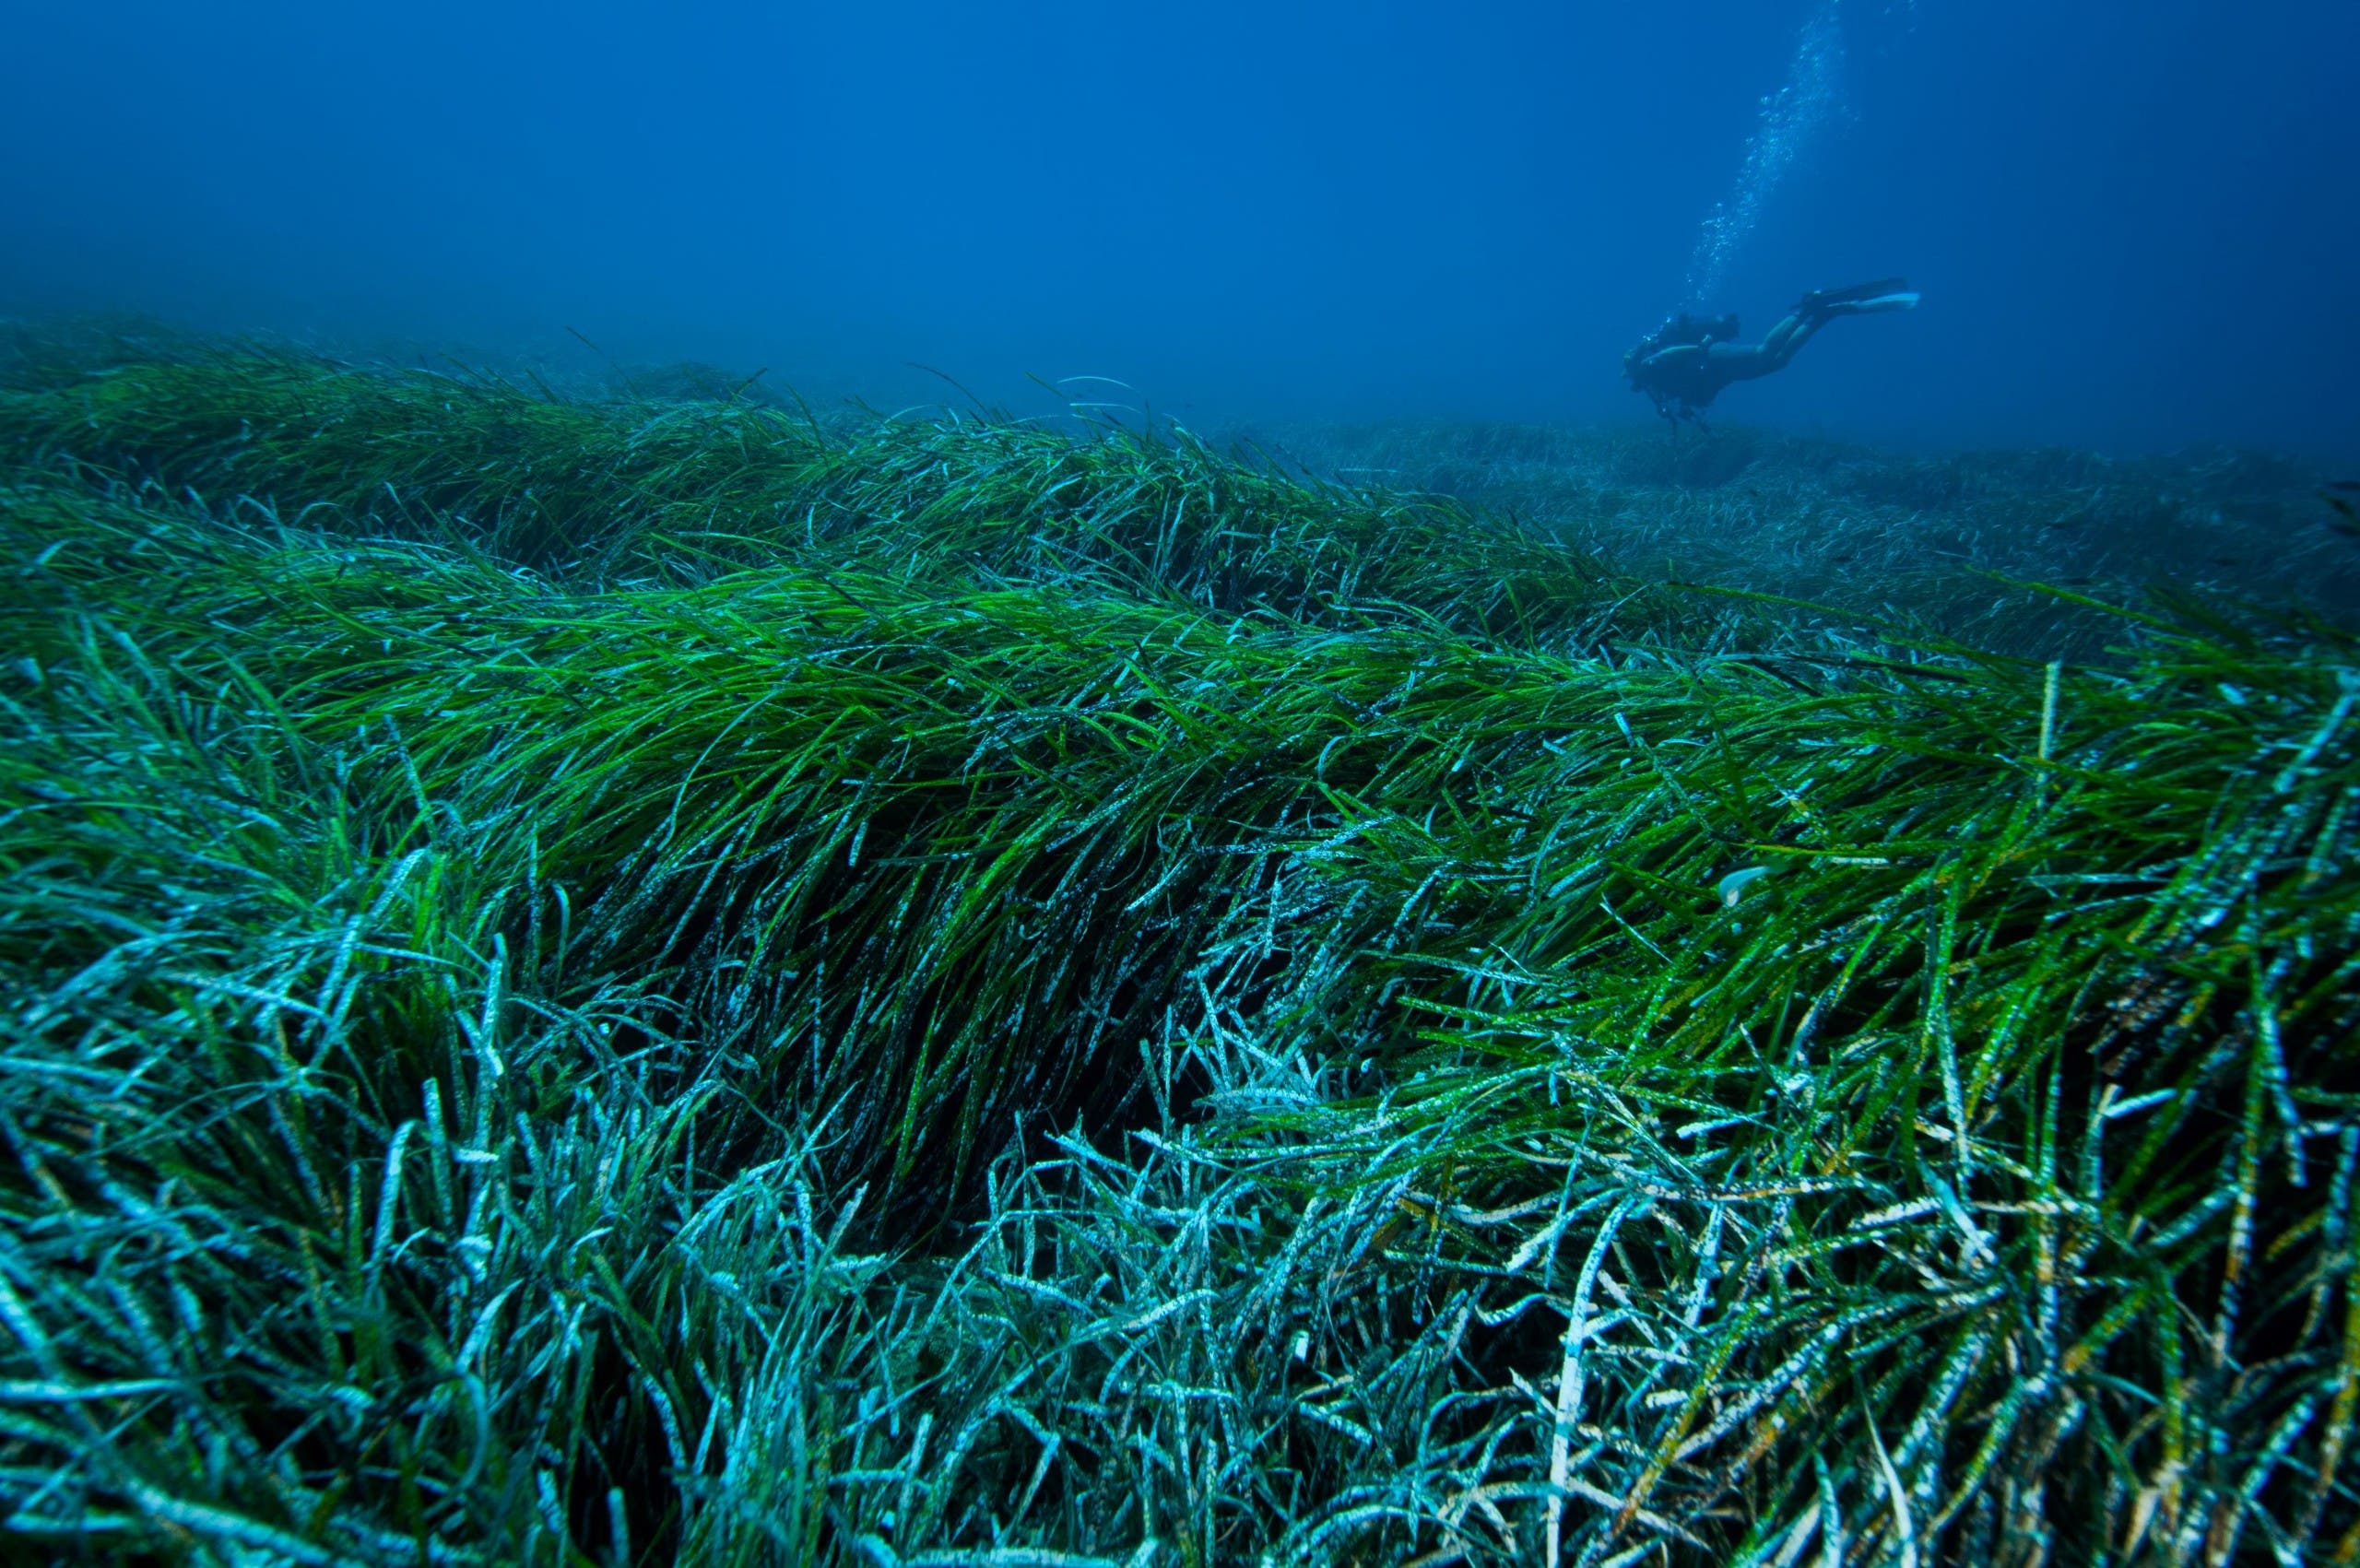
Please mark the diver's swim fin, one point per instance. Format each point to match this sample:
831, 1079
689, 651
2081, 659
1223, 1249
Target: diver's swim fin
1899, 300
1861, 299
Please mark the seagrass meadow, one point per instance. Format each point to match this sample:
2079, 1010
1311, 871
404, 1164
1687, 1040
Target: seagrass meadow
623, 980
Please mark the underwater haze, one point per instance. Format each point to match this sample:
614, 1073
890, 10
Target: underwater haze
2134, 221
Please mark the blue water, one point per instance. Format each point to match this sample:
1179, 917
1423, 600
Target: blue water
2135, 222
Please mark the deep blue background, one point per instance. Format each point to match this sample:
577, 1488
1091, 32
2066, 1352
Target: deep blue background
2136, 221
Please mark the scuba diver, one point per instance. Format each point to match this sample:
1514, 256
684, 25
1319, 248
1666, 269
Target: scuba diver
1683, 364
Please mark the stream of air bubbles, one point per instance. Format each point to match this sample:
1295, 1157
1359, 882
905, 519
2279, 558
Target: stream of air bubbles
1790, 119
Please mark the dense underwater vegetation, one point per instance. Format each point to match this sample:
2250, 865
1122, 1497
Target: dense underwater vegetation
635, 979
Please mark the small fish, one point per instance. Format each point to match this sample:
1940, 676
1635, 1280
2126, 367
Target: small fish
2346, 521
1733, 886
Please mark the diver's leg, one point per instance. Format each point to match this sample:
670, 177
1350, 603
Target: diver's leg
1817, 310
1745, 361
1786, 338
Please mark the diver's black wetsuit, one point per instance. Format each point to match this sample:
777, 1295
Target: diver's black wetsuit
1684, 365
